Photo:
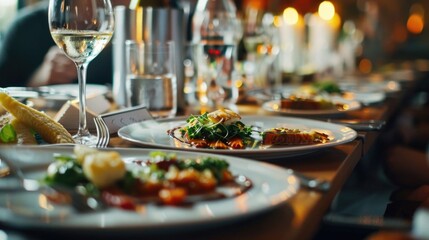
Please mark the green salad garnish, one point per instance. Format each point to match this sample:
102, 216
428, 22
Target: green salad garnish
201, 127
327, 86
65, 171
215, 165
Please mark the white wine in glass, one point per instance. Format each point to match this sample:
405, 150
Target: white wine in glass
82, 29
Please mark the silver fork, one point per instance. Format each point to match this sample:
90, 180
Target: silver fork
103, 135
311, 183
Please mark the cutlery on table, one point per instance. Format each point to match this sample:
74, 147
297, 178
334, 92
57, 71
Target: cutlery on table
311, 183
360, 125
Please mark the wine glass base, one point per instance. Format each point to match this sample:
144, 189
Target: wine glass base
88, 140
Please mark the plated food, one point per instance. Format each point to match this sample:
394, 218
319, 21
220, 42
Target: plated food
154, 133
272, 186
315, 96
22, 124
162, 178
315, 102
286, 136
319, 98
311, 107
222, 129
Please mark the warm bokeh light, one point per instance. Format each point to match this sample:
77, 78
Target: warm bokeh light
290, 16
365, 66
415, 23
139, 22
187, 89
239, 83
44, 202
335, 21
326, 10
261, 49
277, 21
255, 4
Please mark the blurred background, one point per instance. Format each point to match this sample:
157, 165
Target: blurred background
379, 31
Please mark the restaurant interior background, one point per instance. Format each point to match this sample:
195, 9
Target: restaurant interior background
399, 26
390, 29
387, 33
383, 30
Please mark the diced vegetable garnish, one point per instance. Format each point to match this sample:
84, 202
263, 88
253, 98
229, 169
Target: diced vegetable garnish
7, 134
162, 176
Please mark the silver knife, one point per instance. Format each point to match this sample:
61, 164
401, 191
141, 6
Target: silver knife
364, 125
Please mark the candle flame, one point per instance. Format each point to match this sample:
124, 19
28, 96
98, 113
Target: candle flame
415, 23
290, 16
326, 10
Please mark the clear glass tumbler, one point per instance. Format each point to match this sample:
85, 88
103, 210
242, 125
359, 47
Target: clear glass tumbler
151, 77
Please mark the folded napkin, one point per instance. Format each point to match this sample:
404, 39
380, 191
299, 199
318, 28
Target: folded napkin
68, 115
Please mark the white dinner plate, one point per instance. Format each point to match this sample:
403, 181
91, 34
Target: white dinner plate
365, 86
368, 98
274, 107
366, 93
73, 89
154, 134
272, 187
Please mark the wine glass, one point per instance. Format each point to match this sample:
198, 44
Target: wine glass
81, 28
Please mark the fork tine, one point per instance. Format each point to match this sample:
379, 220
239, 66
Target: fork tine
99, 132
106, 133
97, 127
103, 135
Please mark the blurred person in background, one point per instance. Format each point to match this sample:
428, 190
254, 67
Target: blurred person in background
29, 56
407, 150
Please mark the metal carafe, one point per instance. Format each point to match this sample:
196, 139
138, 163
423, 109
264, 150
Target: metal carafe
148, 25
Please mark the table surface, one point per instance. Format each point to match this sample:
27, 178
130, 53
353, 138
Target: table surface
300, 217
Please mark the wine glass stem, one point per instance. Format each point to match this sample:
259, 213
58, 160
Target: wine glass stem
81, 71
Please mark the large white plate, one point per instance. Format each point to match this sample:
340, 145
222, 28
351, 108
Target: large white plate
272, 186
274, 107
154, 134
73, 89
